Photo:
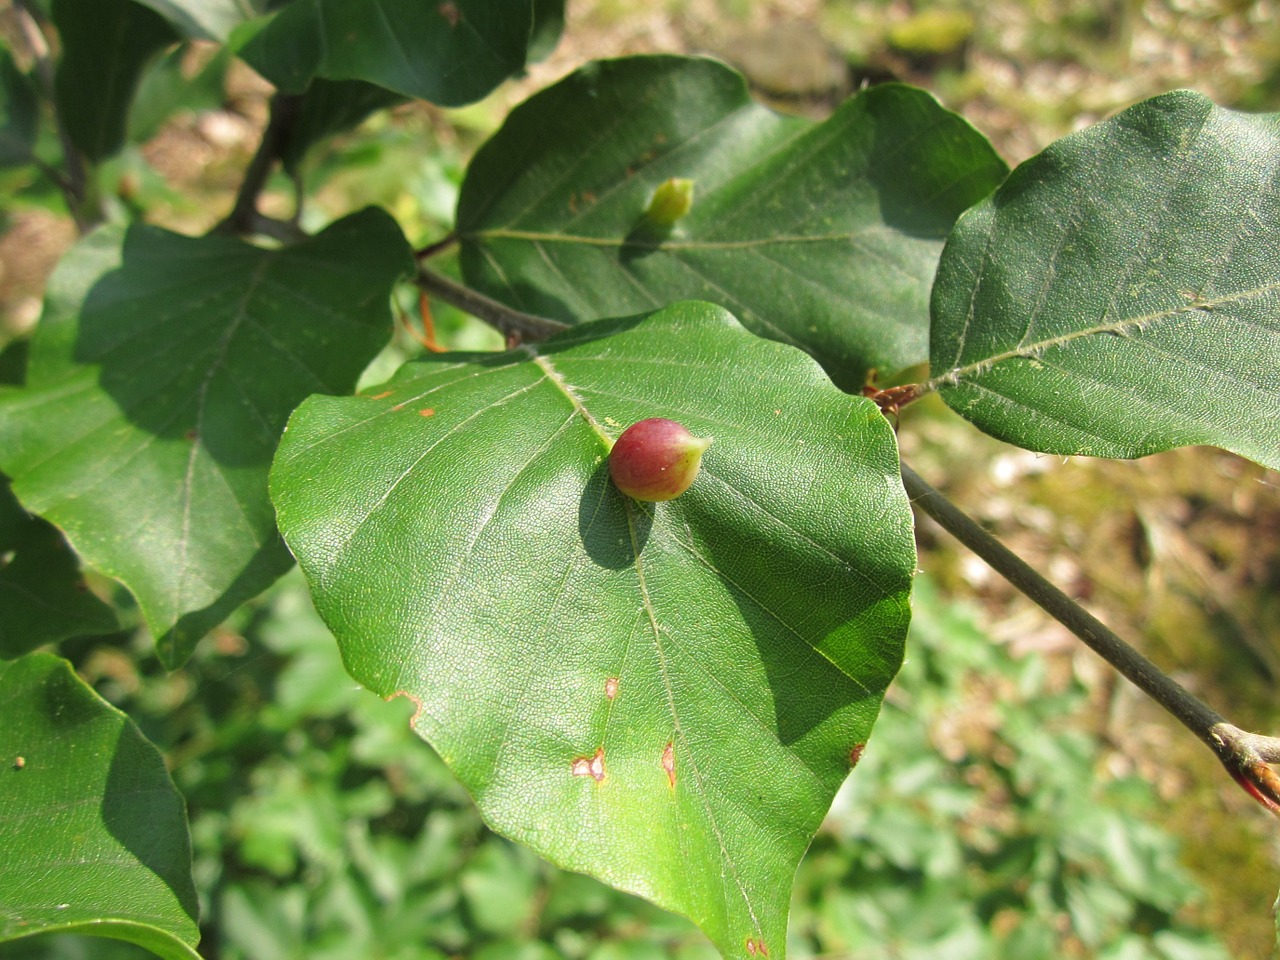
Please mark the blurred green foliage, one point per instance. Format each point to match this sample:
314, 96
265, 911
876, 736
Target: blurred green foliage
978, 824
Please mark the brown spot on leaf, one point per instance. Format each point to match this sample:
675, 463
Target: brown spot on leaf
427, 412
380, 396
669, 763
191, 434
611, 687
450, 12
592, 766
19, 762
855, 754
413, 721
757, 948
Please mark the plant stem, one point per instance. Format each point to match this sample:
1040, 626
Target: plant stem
431, 249
74, 184
504, 319
1245, 755
243, 217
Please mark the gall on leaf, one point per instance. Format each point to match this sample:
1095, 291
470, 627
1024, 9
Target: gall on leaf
671, 201
656, 459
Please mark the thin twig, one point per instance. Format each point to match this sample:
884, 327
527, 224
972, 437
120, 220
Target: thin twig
1245, 755
244, 215
74, 182
431, 249
259, 224
498, 315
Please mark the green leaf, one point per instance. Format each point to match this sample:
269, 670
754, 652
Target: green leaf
548, 24
19, 113
105, 46
13, 362
663, 696
158, 385
1120, 294
43, 598
451, 53
825, 236
94, 832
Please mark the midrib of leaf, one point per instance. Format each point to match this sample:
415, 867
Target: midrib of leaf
689, 756
1121, 328
558, 379
202, 395
630, 506
536, 236
396, 43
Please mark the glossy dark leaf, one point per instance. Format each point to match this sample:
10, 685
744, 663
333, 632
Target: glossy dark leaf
43, 597
158, 384
662, 695
19, 113
105, 46
450, 53
1120, 294
94, 832
548, 24
822, 235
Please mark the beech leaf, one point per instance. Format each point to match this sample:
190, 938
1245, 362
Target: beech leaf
94, 832
822, 235
1119, 295
158, 384
666, 696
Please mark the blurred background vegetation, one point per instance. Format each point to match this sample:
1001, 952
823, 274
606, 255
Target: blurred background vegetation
1018, 800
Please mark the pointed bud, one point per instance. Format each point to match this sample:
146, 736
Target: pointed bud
656, 459
671, 201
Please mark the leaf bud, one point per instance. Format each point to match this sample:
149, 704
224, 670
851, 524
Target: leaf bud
671, 201
656, 459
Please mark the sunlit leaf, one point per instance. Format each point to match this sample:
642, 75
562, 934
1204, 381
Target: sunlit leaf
1120, 294
664, 696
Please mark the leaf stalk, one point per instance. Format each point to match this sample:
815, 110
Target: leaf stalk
514, 324
244, 217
